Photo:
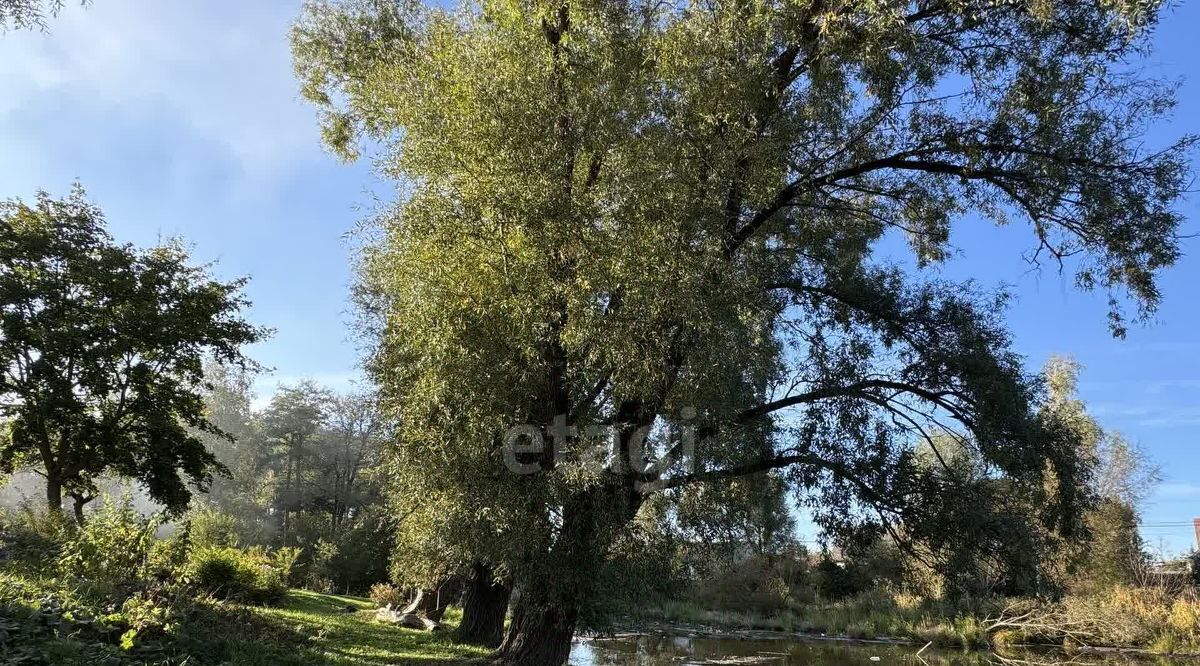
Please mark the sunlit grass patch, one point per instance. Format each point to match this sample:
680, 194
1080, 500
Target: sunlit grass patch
304, 629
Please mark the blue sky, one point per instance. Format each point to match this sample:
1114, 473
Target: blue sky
182, 118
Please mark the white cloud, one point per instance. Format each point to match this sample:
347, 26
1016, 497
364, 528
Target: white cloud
221, 70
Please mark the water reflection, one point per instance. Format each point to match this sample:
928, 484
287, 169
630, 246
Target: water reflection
660, 650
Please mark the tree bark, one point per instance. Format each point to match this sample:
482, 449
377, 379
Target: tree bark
77, 506
78, 503
539, 634
54, 494
547, 613
484, 606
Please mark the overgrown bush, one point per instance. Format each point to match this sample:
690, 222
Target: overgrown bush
33, 538
755, 584
363, 550
44, 622
837, 580
386, 594
643, 567
348, 559
251, 576
208, 527
113, 547
321, 572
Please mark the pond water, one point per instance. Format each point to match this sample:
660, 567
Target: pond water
658, 650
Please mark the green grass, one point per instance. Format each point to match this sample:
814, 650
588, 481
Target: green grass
323, 632
41, 622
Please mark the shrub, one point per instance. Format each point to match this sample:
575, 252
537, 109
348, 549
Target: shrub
1184, 618
209, 527
33, 537
275, 578
386, 594
112, 547
755, 584
223, 571
364, 548
321, 566
168, 557
251, 576
836, 581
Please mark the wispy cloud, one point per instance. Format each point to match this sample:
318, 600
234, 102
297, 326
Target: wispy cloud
220, 70
1146, 414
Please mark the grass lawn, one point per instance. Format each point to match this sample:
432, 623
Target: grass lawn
41, 623
319, 629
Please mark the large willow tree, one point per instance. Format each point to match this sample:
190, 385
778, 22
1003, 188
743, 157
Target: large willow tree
660, 218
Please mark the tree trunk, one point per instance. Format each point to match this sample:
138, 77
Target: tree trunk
78, 505
547, 613
54, 494
484, 606
539, 635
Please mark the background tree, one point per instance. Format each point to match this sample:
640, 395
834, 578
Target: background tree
1122, 477
303, 472
748, 515
624, 214
354, 429
995, 539
247, 493
291, 423
101, 353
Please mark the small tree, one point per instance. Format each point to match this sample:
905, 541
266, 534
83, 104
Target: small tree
102, 348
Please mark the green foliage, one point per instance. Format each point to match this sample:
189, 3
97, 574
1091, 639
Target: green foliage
113, 547
45, 620
303, 474
758, 584
252, 575
101, 370
364, 547
386, 594
835, 581
223, 571
643, 567
208, 527
42, 623
747, 513
1113, 554
33, 538
656, 217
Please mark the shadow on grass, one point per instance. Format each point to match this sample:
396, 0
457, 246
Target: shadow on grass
43, 624
312, 629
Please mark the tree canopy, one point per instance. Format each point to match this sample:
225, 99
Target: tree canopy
647, 219
102, 347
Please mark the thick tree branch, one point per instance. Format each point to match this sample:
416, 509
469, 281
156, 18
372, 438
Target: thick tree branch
839, 470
